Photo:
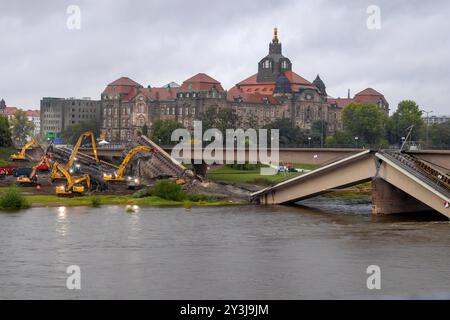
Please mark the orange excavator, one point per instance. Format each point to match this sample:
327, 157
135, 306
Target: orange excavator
21, 156
73, 186
56, 174
31, 179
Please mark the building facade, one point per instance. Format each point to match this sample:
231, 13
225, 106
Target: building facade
32, 115
436, 119
274, 92
56, 114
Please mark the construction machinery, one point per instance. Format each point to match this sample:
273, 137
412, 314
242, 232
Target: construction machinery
73, 185
21, 156
31, 179
56, 174
118, 175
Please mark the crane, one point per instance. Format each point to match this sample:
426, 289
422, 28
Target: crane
72, 186
32, 179
21, 156
118, 175
56, 173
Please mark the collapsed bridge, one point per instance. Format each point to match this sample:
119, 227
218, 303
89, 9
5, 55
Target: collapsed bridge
401, 182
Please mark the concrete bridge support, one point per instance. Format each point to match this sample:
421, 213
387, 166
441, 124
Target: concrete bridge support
388, 199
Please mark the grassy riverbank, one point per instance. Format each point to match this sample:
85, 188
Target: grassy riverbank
233, 175
95, 200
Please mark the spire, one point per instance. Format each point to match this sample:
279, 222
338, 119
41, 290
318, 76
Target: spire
275, 45
348, 93
320, 85
275, 35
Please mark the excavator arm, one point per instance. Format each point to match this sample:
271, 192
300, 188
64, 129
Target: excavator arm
86, 134
71, 186
56, 173
118, 176
21, 155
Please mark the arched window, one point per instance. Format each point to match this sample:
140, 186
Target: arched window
266, 64
284, 64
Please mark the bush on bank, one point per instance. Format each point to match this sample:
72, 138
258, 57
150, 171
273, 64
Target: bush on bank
12, 199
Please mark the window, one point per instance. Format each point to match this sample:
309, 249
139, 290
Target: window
266, 64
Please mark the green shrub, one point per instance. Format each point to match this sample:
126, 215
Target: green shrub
12, 199
166, 189
245, 166
95, 202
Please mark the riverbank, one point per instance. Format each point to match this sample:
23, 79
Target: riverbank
98, 200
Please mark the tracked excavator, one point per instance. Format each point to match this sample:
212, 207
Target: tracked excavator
118, 176
31, 179
21, 155
73, 185
56, 174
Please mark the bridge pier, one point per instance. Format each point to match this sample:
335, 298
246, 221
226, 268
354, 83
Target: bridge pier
388, 199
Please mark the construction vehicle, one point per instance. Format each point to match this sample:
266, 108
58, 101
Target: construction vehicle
21, 156
118, 175
56, 175
73, 186
31, 179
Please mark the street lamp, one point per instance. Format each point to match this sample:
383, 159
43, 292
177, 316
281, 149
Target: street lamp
428, 124
356, 141
309, 142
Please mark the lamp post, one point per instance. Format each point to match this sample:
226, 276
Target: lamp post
403, 140
309, 142
428, 124
356, 142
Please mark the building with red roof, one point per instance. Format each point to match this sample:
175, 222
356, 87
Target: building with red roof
274, 92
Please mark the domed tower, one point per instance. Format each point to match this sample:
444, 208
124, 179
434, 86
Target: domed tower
274, 64
320, 85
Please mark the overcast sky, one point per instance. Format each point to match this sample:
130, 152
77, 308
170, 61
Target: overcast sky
155, 42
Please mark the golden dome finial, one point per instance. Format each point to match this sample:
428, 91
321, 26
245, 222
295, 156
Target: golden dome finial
275, 35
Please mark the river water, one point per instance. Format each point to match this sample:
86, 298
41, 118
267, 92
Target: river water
236, 252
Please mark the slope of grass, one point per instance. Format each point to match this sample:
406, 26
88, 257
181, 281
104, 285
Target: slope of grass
98, 200
230, 175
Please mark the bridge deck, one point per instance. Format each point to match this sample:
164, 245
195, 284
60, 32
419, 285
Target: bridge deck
404, 171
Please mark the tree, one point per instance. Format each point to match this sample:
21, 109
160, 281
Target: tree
408, 113
221, 119
365, 121
5, 132
440, 135
319, 132
73, 132
162, 131
290, 135
340, 139
21, 128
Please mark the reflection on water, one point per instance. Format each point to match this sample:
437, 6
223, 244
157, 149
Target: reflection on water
320, 249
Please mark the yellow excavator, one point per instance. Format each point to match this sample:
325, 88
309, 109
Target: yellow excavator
118, 175
21, 156
32, 179
56, 174
73, 186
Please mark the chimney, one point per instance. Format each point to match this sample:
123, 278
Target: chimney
348, 93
